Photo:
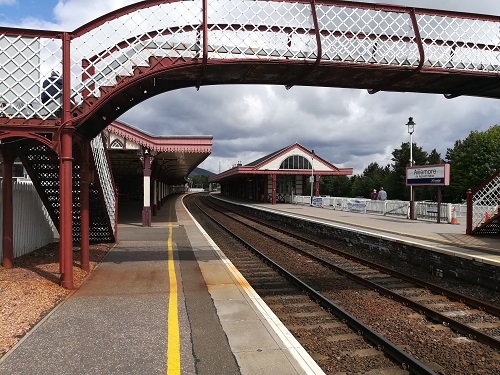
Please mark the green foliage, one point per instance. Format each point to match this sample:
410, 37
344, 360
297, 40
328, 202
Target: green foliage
335, 186
200, 181
435, 158
472, 161
373, 177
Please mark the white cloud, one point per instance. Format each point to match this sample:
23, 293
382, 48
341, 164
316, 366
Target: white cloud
74, 13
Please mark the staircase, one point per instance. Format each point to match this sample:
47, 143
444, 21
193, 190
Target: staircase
100, 106
42, 165
483, 206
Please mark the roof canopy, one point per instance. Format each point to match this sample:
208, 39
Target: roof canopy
174, 157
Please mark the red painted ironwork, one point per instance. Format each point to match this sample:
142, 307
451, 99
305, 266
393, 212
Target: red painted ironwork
273, 200
110, 94
468, 229
317, 33
420, 51
66, 208
66, 172
205, 45
7, 209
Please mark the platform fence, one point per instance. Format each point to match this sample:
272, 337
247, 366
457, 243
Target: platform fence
425, 210
33, 227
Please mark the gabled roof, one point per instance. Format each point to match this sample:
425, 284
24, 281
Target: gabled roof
264, 158
270, 164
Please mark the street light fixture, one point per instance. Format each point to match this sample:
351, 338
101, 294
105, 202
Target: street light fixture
312, 175
411, 128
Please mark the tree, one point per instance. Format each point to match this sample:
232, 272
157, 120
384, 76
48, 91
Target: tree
472, 161
335, 186
200, 181
434, 158
373, 177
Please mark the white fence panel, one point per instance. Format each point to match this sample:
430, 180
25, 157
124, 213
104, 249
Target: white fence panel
33, 227
425, 210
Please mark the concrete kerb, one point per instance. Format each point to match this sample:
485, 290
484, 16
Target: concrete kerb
294, 348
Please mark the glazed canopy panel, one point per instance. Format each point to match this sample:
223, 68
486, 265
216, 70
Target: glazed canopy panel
106, 51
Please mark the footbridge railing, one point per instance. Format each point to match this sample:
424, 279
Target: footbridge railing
107, 189
154, 34
483, 207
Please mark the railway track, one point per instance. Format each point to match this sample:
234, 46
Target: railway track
421, 331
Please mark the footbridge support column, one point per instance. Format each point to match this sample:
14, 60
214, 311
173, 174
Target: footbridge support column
66, 208
8, 157
273, 200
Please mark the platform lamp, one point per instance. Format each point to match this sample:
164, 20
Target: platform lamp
411, 128
312, 175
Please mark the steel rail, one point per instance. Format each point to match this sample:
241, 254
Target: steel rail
407, 361
494, 310
431, 314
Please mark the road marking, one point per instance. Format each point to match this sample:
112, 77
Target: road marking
173, 344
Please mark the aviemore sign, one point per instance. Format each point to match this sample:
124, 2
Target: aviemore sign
436, 175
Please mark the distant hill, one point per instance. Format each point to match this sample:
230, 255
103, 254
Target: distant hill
201, 172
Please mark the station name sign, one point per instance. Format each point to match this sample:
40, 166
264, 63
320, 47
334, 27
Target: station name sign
435, 175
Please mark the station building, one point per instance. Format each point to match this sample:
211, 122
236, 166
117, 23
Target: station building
276, 177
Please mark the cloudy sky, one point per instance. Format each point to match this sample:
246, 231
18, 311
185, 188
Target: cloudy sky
349, 128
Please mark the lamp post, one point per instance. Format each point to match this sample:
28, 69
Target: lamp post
411, 128
312, 175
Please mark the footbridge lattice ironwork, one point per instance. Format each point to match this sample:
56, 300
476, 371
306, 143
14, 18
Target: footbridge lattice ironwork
127, 56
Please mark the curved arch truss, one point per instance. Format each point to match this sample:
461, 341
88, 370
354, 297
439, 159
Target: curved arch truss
153, 46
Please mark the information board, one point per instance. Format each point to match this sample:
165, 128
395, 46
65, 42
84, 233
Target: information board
434, 175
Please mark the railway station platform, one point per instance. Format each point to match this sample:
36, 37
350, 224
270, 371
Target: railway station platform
442, 238
135, 316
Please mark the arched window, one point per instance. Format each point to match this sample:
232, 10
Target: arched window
295, 162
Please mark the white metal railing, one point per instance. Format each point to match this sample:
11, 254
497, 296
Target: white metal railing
349, 33
486, 201
33, 227
425, 210
105, 178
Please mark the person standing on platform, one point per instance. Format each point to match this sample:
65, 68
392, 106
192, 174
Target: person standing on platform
382, 195
374, 195
51, 96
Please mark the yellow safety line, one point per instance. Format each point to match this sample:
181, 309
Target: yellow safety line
173, 344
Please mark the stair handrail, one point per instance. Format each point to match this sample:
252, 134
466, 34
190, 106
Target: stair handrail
483, 202
106, 181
